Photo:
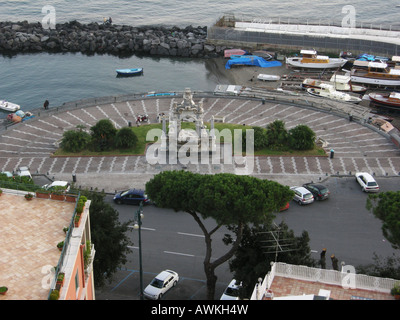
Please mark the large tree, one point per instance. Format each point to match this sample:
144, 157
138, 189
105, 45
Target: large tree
386, 207
109, 237
226, 198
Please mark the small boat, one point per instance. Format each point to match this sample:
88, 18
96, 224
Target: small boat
310, 59
229, 52
387, 99
377, 73
9, 106
129, 72
268, 77
328, 91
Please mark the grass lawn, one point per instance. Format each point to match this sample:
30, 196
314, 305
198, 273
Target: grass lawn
141, 133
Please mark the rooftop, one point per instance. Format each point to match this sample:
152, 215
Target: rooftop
285, 287
294, 282
30, 231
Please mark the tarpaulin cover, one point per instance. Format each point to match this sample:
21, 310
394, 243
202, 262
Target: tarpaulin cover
252, 61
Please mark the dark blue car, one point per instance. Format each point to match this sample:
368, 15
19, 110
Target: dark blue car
132, 196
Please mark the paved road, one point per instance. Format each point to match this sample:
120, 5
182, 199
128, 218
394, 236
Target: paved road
356, 147
173, 240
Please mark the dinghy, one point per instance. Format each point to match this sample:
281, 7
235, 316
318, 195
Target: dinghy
129, 72
9, 106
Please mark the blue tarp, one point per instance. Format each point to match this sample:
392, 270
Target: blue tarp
252, 61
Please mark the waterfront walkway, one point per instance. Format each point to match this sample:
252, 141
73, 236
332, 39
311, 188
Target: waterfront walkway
356, 147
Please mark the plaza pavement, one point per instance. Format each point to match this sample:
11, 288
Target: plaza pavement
356, 147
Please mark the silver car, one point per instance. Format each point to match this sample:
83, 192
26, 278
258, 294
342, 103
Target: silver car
302, 195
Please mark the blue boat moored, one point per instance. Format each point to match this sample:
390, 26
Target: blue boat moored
129, 72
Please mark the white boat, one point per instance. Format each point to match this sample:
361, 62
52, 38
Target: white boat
343, 83
268, 77
339, 82
328, 91
9, 106
377, 73
310, 59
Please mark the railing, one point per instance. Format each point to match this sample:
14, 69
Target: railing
63, 251
316, 22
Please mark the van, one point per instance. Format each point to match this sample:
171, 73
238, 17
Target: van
302, 195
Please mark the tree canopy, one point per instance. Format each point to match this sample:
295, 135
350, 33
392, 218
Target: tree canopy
386, 207
259, 247
227, 198
109, 237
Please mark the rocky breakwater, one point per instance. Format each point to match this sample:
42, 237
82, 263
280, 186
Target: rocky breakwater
17, 37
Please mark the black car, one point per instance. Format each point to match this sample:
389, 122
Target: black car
132, 196
319, 191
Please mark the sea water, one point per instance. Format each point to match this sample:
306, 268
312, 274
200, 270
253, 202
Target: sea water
30, 79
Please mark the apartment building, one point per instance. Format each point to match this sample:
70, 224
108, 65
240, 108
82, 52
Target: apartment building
40, 241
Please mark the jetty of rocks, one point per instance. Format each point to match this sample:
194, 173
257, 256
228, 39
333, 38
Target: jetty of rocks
95, 38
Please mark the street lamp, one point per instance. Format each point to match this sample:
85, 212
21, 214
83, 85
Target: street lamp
138, 225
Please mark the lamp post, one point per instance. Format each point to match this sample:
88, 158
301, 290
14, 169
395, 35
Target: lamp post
138, 225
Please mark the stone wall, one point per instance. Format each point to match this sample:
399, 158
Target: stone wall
17, 37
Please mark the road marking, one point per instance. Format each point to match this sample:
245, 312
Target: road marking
179, 254
142, 228
191, 234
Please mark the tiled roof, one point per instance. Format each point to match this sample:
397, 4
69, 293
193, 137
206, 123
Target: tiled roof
29, 233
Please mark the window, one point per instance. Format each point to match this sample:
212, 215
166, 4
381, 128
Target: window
77, 281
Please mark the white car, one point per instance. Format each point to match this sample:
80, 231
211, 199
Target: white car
302, 195
164, 281
57, 184
24, 172
232, 291
367, 182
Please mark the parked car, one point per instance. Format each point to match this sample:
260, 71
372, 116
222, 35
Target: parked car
302, 195
285, 207
7, 173
232, 291
57, 185
319, 191
367, 182
164, 281
131, 196
24, 172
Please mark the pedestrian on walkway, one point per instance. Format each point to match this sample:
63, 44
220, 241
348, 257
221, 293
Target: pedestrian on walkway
46, 105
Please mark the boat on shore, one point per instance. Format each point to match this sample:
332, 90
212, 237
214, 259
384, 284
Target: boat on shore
230, 52
391, 99
339, 82
129, 72
268, 77
9, 106
310, 59
328, 91
377, 73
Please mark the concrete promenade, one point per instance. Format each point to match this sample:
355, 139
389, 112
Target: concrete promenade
357, 147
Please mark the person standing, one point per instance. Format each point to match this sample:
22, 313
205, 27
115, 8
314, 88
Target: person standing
46, 105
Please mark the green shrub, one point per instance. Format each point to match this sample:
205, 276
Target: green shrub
75, 141
125, 138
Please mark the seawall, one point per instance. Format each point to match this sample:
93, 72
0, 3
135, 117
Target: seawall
94, 38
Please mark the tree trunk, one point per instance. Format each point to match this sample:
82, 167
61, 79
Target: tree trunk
209, 268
